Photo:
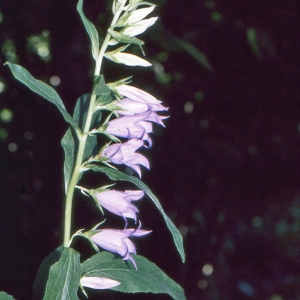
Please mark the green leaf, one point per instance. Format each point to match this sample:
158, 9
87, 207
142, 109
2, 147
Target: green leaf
4, 296
100, 88
117, 175
80, 114
43, 273
147, 279
91, 30
41, 89
68, 144
64, 277
124, 39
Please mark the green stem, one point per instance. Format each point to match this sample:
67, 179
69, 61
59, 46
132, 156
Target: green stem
83, 138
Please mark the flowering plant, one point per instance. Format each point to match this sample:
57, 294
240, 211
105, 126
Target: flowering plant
129, 114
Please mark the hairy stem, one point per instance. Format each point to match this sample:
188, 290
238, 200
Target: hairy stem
82, 137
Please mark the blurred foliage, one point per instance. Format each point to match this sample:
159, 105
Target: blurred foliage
226, 167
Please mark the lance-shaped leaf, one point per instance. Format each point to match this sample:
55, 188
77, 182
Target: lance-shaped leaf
64, 277
120, 176
41, 89
127, 59
91, 30
148, 278
139, 27
4, 296
139, 14
43, 273
124, 38
68, 144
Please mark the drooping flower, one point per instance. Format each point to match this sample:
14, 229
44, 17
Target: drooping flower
130, 127
119, 203
128, 107
98, 282
140, 96
124, 153
117, 241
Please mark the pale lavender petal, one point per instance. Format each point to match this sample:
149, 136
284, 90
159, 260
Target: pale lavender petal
130, 246
111, 240
131, 107
154, 117
117, 203
132, 145
98, 282
133, 195
136, 94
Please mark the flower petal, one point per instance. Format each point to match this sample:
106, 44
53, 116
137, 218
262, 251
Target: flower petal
98, 282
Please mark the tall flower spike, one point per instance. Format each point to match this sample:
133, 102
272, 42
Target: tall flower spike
119, 203
117, 241
125, 154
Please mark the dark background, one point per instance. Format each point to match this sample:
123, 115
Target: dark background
226, 168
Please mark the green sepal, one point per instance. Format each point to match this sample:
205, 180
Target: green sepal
91, 30
100, 88
64, 277
103, 92
148, 278
124, 38
120, 176
41, 89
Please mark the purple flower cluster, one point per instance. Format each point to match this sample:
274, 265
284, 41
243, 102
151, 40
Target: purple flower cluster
137, 111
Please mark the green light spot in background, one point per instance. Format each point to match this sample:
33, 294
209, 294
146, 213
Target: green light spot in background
162, 56
253, 41
9, 51
199, 95
2, 86
165, 78
216, 16
3, 134
1, 17
6, 115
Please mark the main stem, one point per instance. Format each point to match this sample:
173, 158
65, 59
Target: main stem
82, 138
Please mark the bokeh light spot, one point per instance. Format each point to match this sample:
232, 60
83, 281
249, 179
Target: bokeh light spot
28, 135
188, 107
12, 147
43, 51
6, 115
55, 80
199, 95
202, 284
3, 134
207, 269
204, 124
162, 56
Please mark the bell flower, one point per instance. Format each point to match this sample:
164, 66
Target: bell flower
124, 153
140, 96
130, 127
98, 282
117, 241
128, 107
119, 203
